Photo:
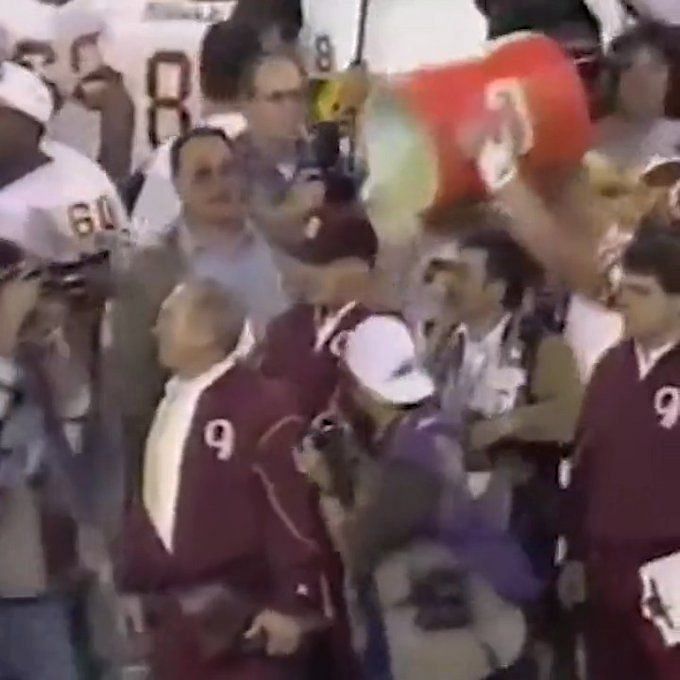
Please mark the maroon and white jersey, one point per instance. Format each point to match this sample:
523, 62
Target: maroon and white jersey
625, 484
240, 514
302, 347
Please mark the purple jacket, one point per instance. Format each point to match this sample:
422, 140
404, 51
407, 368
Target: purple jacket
424, 442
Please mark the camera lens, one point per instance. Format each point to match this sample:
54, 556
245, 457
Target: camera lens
324, 431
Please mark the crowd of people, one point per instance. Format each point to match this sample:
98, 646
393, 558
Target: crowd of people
248, 434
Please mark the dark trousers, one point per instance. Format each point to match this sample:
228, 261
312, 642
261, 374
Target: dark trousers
620, 642
35, 640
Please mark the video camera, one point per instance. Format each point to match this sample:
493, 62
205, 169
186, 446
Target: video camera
85, 277
326, 164
335, 443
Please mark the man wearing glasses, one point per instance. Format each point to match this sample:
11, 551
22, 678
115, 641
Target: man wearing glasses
288, 186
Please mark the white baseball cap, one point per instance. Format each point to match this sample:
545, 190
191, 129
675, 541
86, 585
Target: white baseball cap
23, 91
381, 354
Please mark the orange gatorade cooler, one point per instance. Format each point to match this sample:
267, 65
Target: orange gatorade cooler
411, 124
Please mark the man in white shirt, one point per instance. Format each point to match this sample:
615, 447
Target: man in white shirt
496, 359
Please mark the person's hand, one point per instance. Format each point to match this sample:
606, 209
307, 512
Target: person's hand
490, 147
571, 585
93, 553
283, 634
131, 621
486, 433
102, 89
313, 465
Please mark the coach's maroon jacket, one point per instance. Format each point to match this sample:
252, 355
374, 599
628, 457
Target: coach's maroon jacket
302, 347
627, 483
244, 520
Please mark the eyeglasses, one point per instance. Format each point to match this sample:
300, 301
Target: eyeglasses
279, 96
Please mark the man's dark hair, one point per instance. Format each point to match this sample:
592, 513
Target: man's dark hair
261, 15
247, 86
506, 261
655, 251
546, 16
226, 49
196, 133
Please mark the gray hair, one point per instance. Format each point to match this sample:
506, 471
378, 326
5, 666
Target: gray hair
220, 308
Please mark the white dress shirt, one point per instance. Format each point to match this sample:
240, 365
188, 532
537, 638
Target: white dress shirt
165, 444
473, 386
648, 359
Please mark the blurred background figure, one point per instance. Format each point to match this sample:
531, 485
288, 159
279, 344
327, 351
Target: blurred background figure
639, 68
658, 10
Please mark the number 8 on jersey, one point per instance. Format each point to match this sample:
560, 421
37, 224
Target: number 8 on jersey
168, 80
